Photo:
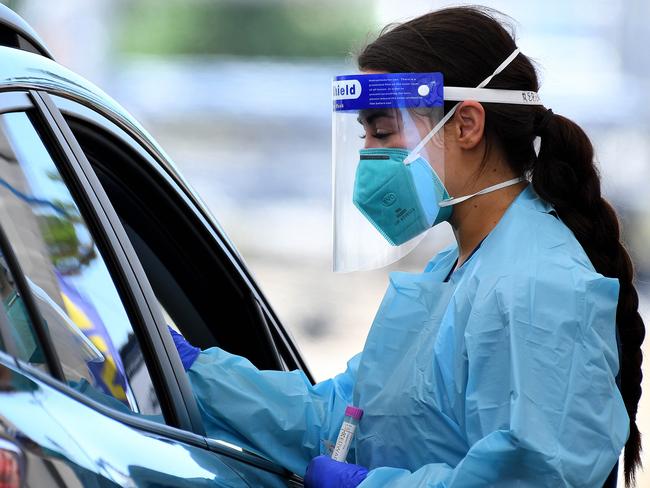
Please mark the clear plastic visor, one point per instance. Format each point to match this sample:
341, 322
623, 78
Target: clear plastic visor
370, 141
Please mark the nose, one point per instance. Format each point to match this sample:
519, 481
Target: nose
375, 143
372, 143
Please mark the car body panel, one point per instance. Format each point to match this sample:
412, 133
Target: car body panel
47, 424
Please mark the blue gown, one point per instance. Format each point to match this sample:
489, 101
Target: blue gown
502, 376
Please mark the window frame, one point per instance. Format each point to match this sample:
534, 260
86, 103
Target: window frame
178, 255
281, 339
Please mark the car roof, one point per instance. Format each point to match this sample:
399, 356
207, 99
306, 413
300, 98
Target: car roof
12, 23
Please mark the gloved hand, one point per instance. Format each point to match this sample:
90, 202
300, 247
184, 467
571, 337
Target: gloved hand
186, 351
324, 472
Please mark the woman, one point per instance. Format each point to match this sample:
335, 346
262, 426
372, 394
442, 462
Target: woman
498, 365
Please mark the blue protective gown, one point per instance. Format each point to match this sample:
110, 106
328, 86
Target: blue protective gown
503, 376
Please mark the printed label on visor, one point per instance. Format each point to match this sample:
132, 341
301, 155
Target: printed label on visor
387, 90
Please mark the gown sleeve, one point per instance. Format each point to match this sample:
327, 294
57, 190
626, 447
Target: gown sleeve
541, 406
278, 414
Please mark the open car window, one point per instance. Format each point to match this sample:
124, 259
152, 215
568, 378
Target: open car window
199, 291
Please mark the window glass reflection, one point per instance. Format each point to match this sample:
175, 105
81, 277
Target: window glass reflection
69, 280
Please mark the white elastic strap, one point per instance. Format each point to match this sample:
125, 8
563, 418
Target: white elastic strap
415, 153
489, 189
500, 68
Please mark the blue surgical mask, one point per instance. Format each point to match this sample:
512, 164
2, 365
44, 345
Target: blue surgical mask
400, 200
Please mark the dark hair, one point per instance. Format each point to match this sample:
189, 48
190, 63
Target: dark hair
467, 44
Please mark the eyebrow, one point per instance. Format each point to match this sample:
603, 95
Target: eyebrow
368, 115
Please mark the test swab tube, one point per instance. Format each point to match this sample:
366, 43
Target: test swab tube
348, 428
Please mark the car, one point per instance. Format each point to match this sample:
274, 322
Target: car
103, 246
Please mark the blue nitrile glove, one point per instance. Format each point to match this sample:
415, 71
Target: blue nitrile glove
186, 351
324, 472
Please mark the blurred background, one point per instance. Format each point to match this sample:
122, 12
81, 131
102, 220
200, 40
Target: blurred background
238, 93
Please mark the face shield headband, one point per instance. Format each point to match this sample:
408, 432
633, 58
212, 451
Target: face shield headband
479, 94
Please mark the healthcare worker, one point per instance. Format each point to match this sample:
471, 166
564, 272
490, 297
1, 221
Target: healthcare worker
498, 364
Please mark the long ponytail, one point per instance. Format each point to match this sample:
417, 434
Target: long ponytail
564, 175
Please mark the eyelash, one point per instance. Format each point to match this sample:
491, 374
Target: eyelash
376, 136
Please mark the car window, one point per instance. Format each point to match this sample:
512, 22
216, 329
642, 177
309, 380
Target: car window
199, 290
67, 276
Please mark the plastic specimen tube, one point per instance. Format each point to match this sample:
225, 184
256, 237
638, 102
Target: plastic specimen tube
346, 434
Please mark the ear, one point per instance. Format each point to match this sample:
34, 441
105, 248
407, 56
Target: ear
469, 121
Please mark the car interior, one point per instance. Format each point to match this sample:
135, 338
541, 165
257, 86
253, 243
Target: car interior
197, 288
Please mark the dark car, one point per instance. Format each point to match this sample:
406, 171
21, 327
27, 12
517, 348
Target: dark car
102, 246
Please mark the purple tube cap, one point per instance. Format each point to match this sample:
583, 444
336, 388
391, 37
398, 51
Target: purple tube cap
354, 412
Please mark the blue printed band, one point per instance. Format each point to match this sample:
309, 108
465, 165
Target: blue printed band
387, 90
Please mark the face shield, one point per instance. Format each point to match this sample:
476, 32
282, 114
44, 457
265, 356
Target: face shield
388, 165
378, 120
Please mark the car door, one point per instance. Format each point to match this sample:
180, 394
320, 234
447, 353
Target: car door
199, 283
103, 393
